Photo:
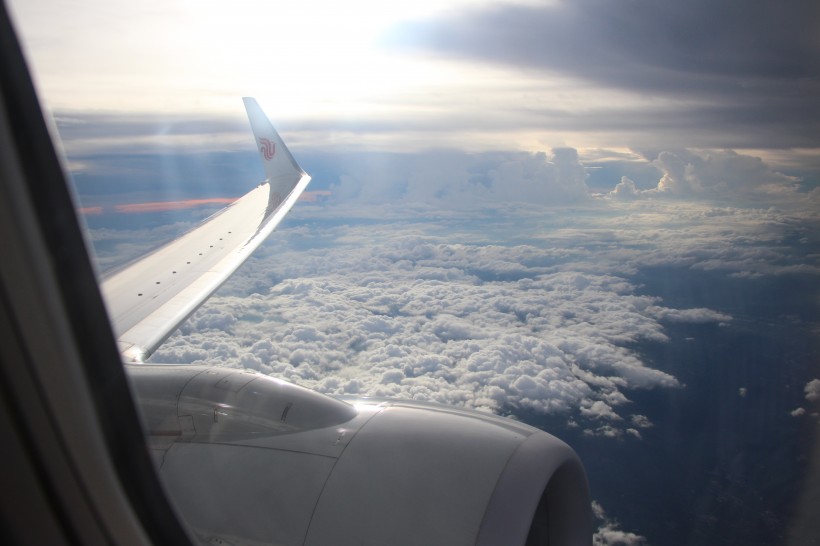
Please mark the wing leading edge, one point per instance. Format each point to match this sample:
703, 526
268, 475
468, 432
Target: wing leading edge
150, 298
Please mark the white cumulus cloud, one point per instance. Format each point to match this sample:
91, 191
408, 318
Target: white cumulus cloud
812, 390
416, 318
609, 532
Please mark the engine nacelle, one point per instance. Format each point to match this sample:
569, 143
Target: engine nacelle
250, 459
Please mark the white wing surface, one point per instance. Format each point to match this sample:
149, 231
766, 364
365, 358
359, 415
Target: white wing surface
149, 299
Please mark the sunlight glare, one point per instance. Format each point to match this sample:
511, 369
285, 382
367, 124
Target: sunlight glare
310, 58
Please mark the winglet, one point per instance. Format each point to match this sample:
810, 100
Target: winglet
281, 169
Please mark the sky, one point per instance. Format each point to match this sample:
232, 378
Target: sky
629, 77
600, 217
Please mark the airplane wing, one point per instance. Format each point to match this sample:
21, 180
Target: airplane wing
150, 298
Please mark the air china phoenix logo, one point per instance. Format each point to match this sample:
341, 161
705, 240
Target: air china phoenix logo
267, 148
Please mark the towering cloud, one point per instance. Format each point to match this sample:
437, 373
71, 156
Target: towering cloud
719, 175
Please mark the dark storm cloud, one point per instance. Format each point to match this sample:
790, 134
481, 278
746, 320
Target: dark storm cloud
753, 64
661, 45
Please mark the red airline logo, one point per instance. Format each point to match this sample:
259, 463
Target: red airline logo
267, 148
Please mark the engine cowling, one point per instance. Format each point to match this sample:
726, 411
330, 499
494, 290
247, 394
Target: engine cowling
249, 459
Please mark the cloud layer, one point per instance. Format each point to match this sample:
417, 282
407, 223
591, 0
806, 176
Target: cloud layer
545, 323
477, 327
454, 180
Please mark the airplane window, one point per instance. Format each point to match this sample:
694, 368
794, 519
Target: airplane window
596, 219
